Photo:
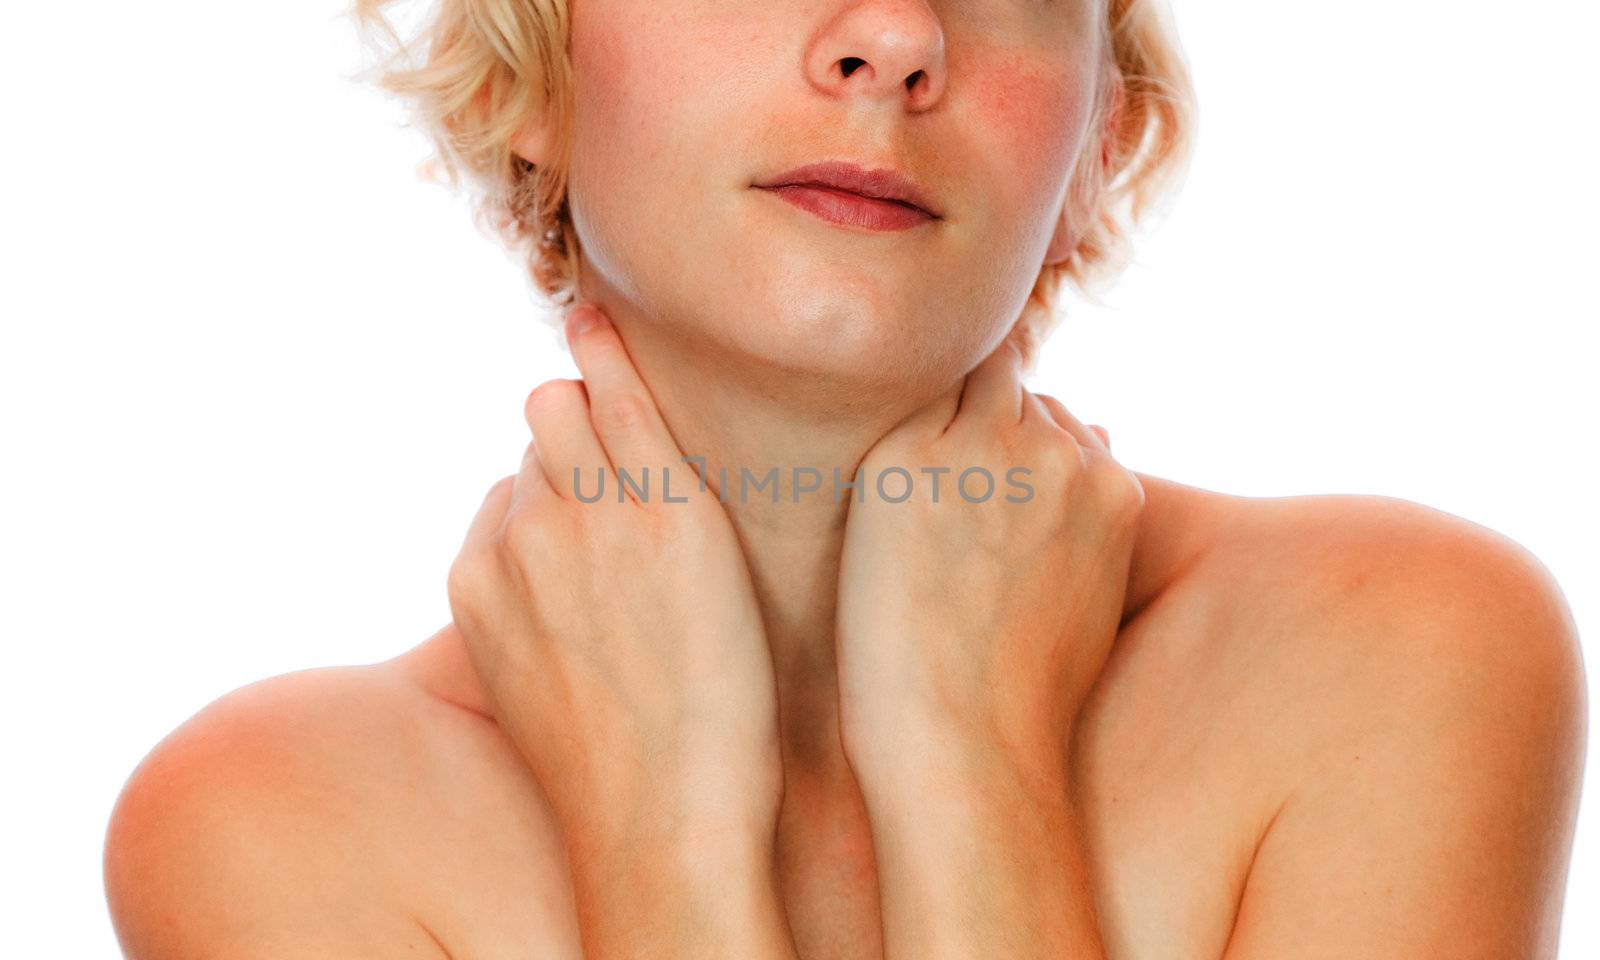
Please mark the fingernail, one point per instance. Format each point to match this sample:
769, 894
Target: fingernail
583, 318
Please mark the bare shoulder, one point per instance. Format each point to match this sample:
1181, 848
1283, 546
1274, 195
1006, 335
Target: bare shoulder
1422, 681
293, 818
248, 831
1403, 589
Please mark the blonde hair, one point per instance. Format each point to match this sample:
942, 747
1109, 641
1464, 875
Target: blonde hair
477, 71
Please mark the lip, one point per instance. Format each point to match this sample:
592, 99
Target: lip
850, 209
834, 189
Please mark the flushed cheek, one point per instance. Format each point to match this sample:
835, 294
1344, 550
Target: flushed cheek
1033, 118
662, 101
622, 85
637, 128
646, 76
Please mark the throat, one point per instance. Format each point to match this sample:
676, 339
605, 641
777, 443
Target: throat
827, 869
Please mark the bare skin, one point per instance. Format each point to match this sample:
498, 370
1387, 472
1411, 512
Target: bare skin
1322, 726
1296, 716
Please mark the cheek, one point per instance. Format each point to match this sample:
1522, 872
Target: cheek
1034, 120
620, 84
647, 78
633, 73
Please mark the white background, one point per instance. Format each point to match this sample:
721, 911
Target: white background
256, 376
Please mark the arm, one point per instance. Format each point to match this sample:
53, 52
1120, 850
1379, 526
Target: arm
1437, 812
622, 649
247, 833
979, 852
1433, 817
235, 837
970, 631
660, 886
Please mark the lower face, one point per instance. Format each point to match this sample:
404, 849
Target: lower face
681, 106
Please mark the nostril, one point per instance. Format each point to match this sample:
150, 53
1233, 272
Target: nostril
851, 64
911, 81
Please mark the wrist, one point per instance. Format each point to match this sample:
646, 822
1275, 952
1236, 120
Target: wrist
675, 825
680, 889
936, 757
674, 847
666, 799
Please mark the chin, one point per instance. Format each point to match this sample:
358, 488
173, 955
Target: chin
850, 340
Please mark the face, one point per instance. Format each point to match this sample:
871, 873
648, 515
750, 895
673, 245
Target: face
682, 107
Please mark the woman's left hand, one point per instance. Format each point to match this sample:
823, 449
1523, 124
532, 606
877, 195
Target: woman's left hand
986, 621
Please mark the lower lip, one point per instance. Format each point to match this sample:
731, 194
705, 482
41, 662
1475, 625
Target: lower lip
851, 209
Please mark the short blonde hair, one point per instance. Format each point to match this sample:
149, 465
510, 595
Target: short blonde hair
478, 70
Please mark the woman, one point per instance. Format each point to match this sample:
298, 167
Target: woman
1064, 709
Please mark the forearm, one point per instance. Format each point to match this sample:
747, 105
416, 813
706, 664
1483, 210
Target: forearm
979, 854
668, 890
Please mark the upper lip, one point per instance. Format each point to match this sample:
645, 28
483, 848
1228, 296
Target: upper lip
882, 183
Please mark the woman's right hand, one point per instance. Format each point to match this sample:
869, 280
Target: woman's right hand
620, 644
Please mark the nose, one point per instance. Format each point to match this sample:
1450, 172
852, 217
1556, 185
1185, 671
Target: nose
891, 50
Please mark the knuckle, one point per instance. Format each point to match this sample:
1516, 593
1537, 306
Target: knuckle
1071, 458
1056, 455
524, 528
894, 450
1121, 493
458, 580
529, 539
465, 586
502, 487
1052, 406
620, 413
550, 394
1015, 440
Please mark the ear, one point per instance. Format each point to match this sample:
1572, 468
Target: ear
1062, 241
1065, 240
533, 142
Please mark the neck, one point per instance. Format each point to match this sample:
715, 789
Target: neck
744, 414
733, 411
747, 418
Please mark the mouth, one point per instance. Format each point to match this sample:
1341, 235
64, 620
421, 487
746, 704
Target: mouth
846, 194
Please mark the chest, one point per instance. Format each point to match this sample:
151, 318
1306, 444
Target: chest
1168, 787
1169, 835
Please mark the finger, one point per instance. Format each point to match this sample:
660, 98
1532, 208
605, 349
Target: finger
564, 441
491, 515
932, 418
532, 481
993, 391
1034, 410
464, 580
622, 410
1071, 424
